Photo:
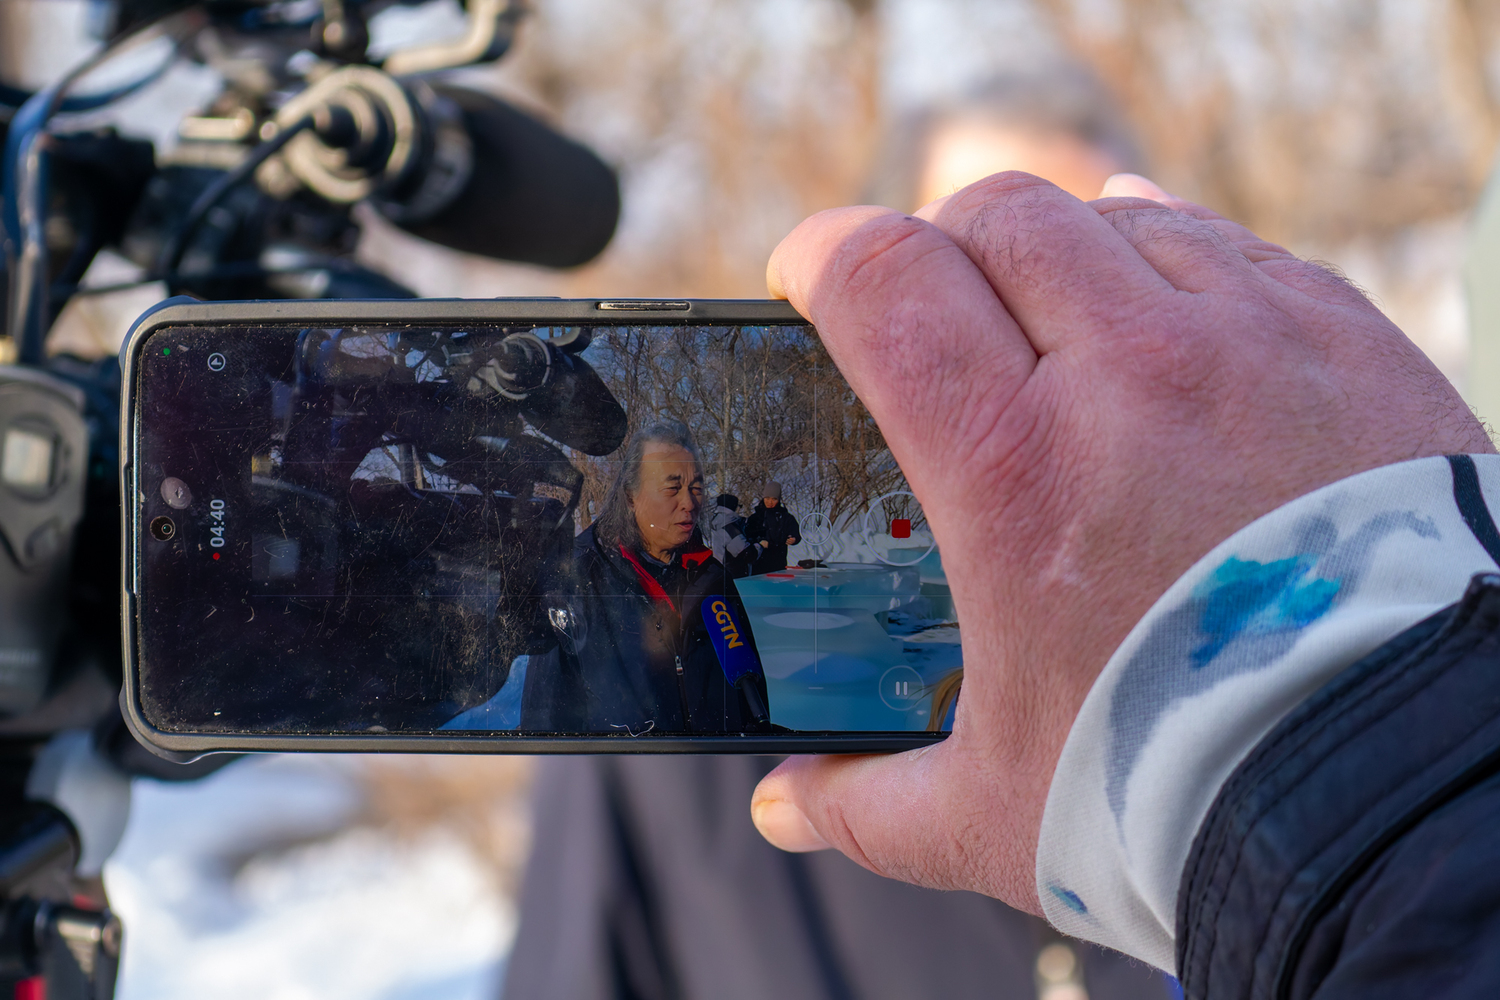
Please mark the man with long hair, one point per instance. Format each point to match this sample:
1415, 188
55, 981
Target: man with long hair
633, 648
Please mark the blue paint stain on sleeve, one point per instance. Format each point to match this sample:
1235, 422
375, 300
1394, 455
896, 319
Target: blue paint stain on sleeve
1242, 618
1069, 898
1242, 595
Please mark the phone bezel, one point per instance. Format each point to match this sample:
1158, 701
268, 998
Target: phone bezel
543, 311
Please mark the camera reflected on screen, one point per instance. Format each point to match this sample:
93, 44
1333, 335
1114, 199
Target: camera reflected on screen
546, 530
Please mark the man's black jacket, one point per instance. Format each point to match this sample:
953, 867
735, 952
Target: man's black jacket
1356, 852
615, 663
772, 525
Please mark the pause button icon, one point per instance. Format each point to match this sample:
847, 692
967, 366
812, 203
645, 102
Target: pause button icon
901, 688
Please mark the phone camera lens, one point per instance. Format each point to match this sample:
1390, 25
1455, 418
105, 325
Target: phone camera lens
162, 529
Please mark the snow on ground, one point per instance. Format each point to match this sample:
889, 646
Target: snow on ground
258, 882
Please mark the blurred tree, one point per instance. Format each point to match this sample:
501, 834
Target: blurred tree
1317, 122
762, 403
1357, 130
731, 120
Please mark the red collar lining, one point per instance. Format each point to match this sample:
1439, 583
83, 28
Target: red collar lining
652, 585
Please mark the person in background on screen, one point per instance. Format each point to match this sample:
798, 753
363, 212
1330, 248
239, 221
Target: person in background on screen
726, 536
772, 528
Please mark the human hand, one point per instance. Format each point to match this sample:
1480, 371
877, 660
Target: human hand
1085, 398
791, 539
764, 545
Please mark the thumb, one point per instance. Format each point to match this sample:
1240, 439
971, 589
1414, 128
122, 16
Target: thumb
775, 813
892, 814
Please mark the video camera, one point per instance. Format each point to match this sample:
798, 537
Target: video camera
254, 203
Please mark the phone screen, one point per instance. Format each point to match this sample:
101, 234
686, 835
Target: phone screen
546, 530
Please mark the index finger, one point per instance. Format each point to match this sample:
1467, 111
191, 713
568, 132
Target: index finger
911, 323
1061, 270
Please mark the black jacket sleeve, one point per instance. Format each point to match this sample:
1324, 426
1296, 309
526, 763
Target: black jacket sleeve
1356, 852
755, 526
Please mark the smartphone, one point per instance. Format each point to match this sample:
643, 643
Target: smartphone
524, 525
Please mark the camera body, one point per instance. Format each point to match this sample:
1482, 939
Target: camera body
255, 202
43, 454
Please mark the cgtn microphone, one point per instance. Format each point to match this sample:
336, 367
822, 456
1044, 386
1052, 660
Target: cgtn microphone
731, 639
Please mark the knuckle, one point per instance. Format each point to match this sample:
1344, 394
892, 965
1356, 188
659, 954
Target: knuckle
876, 250
1006, 185
1162, 228
1019, 247
1186, 234
1031, 242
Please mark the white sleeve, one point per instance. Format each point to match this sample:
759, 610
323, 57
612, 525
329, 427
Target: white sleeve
1252, 629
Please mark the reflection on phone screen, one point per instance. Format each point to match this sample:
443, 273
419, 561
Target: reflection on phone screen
616, 529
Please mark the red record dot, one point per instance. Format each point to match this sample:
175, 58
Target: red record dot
216, 555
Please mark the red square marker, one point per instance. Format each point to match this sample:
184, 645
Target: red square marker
900, 527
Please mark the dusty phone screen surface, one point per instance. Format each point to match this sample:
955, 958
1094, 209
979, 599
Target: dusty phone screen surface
519, 529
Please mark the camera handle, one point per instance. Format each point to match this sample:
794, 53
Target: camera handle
355, 133
491, 28
50, 946
171, 253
